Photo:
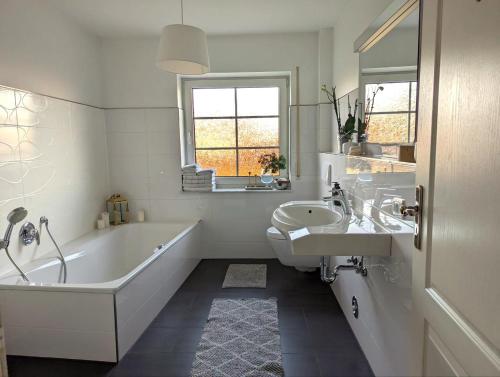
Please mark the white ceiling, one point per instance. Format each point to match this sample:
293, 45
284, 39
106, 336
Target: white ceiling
120, 18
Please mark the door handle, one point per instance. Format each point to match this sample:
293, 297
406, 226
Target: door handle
409, 210
415, 211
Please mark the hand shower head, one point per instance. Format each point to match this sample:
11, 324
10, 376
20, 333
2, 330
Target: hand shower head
13, 217
17, 215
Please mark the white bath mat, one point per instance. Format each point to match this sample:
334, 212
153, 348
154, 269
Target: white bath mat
241, 338
245, 276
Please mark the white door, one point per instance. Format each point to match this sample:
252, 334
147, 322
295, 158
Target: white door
456, 274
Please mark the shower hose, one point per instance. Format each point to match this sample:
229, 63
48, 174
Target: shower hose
61, 258
23, 275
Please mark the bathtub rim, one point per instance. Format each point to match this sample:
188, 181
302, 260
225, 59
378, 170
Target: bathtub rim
111, 286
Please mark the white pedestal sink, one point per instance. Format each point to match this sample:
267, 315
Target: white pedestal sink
322, 229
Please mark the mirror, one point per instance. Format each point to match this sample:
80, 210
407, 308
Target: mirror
388, 61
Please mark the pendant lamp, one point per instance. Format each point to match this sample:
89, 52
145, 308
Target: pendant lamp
183, 49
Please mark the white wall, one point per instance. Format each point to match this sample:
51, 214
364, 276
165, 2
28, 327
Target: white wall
131, 78
325, 77
355, 18
399, 48
45, 52
53, 158
144, 142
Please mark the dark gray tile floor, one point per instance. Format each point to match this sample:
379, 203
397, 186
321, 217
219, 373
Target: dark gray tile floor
316, 339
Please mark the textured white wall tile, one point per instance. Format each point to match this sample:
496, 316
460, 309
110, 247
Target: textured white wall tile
43, 112
9, 144
56, 166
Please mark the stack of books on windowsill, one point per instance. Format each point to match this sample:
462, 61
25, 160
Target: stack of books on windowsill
196, 179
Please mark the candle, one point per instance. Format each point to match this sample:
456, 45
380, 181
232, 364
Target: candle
140, 216
117, 219
101, 224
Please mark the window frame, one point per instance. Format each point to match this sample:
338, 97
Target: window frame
392, 78
188, 149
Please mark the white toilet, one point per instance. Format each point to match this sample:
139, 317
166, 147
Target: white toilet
283, 251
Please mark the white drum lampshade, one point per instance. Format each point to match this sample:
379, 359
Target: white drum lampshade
183, 49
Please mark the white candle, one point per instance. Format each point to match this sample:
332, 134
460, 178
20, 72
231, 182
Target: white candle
117, 217
140, 216
101, 224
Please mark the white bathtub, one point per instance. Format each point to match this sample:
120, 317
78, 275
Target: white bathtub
118, 280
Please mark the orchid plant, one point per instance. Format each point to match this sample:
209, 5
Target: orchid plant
347, 129
363, 125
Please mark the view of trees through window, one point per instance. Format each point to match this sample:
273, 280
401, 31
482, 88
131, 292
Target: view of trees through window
392, 119
233, 127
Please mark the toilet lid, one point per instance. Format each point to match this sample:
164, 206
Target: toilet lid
275, 234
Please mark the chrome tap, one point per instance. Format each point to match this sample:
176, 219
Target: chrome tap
339, 198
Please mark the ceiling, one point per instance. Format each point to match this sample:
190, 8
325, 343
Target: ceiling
126, 18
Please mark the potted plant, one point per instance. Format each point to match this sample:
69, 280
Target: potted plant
271, 162
345, 130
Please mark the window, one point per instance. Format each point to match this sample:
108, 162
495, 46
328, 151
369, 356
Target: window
231, 123
392, 118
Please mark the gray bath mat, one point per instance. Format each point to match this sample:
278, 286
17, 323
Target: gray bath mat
245, 276
241, 338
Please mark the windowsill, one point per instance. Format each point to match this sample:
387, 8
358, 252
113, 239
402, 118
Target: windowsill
237, 190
